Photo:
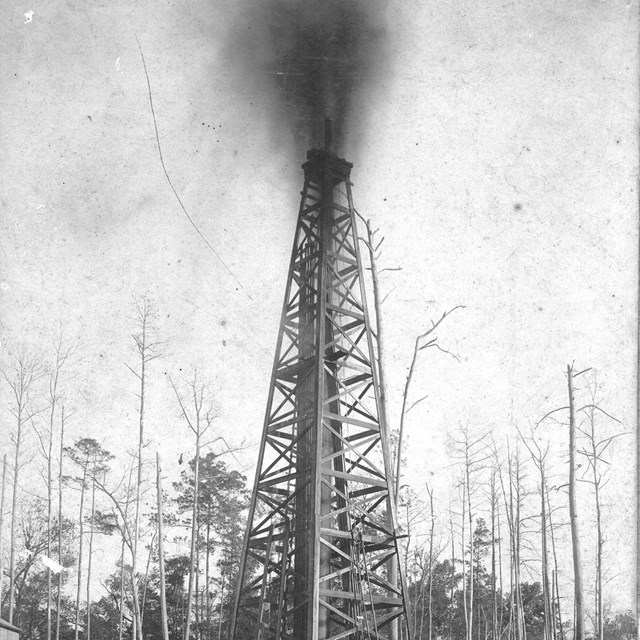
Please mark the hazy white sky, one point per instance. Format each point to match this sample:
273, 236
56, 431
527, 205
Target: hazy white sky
497, 154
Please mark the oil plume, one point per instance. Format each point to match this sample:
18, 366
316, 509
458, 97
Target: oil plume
311, 59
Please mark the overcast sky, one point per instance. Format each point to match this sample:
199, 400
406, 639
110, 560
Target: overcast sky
496, 150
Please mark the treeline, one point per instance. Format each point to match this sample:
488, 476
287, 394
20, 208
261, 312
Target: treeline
112, 613
498, 555
170, 577
504, 556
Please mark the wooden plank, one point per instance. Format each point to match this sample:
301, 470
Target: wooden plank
345, 312
337, 533
356, 423
375, 482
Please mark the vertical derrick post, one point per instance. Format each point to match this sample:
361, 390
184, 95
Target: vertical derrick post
321, 530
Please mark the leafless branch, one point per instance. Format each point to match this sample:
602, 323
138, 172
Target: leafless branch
596, 407
417, 402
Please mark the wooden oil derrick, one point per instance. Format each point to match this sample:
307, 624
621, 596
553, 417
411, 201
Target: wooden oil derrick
321, 529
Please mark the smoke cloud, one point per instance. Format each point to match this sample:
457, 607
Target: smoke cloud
311, 59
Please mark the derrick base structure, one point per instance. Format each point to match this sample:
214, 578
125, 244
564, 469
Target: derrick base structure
321, 529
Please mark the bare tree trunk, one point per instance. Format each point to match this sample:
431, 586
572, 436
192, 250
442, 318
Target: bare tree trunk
194, 530
121, 617
141, 342
410, 606
403, 412
513, 623
557, 623
558, 612
221, 605
471, 567
14, 514
420, 597
90, 554
4, 484
25, 373
509, 514
538, 455
61, 358
60, 485
123, 532
522, 629
163, 591
573, 514
148, 351
599, 599
396, 493
199, 426
50, 520
594, 458
494, 602
382, 385
453, 574
81, 525
500, 577
431, 534
206, 574
471, 453
465, 590
422, 342
548, 633
197, 599
517, 623
146, 580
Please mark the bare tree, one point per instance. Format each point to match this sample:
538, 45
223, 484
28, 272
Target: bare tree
424, 341
573, 512
98, 469
494, 502
497, 584
555, 591
20, 379
452, 583
60, 488
121, 498
207, 574
594, 455
4, 484
413, 513
91, 459
145, 581
199, 420
432, 527
81, 456
465, 584
539, 453
148, 349
513, 497
517, 498
373, 245
594, 452
472, 452
163, 594
62, 355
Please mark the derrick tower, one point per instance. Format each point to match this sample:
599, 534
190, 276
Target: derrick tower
321, 538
